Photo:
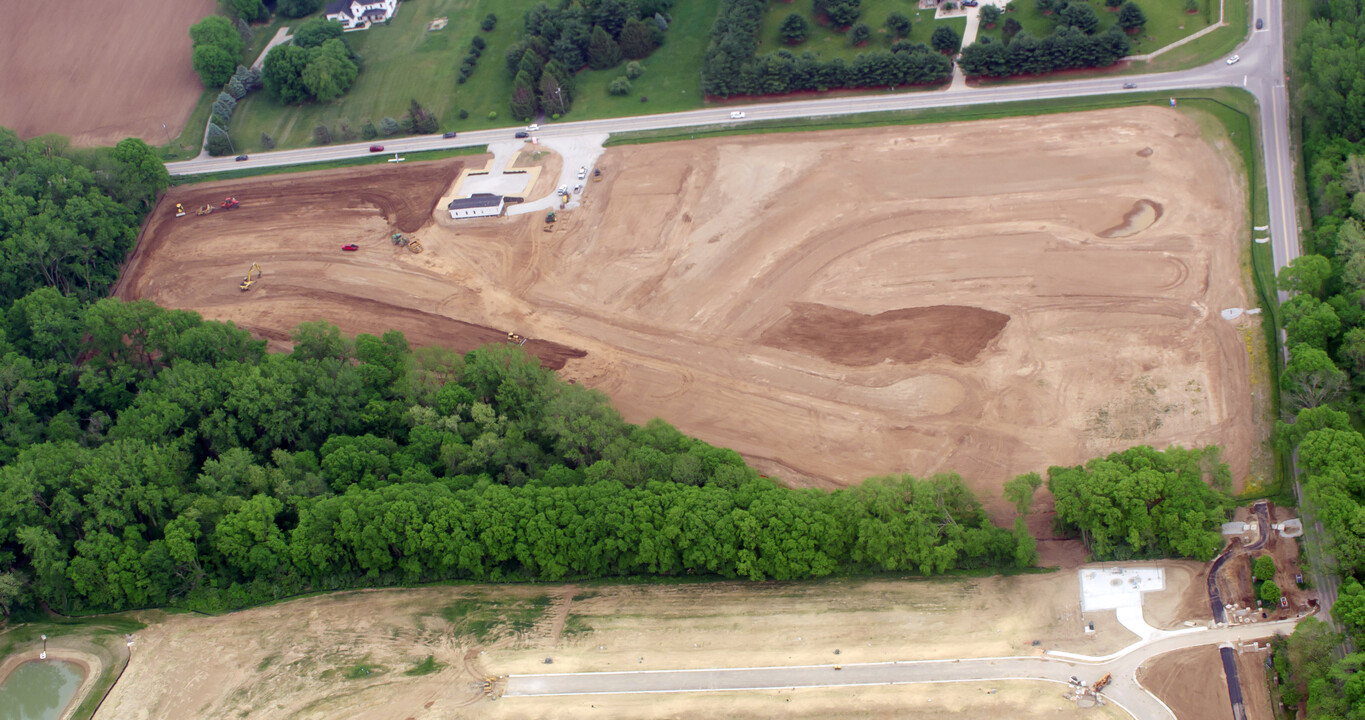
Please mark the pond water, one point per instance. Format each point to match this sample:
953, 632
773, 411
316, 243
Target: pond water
38, 690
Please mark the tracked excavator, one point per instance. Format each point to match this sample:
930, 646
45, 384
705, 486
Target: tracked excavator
248, 281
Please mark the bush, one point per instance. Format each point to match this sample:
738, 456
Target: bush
899, 25
1264, 568
619, 86
634, 70
492, 114
990, 15
478, 43
489, 22
859, 34
297, 8
267, 142
793, 29
321, 135
1270, 592
945, 39
218, 142
388, 126
463, 114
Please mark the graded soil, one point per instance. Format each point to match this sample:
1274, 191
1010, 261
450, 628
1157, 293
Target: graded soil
833, 305
98, 73
349, 654
1191, 683
294, 227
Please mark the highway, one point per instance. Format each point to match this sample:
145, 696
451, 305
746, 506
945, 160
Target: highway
1124, 690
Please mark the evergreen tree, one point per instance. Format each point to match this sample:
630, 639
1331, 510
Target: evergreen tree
636, 40
1131, 18
793, 29
603, 52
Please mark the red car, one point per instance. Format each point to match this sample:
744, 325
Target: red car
376, 148
350, 248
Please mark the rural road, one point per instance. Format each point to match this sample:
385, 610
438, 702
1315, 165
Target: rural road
1125, 690
1260, 72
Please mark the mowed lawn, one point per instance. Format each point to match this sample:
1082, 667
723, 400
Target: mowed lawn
1167, 21
828, 43
402, 62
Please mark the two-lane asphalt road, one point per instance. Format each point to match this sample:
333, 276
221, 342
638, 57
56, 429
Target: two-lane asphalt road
1125, 690
1260, 71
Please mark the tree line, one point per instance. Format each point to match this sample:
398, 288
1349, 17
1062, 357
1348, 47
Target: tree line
559, 41
151, 458
1322, 387
731, 65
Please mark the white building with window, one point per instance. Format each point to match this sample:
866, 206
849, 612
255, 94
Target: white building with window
477, 205
360, 14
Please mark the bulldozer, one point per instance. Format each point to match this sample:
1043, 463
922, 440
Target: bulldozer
515, 338
597, 174
204, 210
412, 244
1102, 683
179, 210
248, 281
550, 221
230, 203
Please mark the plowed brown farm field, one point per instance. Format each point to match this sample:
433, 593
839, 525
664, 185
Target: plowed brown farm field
99, 72
992, 297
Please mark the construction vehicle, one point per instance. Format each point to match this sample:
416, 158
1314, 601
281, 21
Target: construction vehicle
414, 246
515, 338
179, 210
597, 174
1102, 683
204, 210
230, 203
248, 280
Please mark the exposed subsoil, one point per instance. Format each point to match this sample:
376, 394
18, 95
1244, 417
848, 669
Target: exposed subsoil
681, 267
1190, 682
906, 335
97, 72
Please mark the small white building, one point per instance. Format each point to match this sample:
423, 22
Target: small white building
360, 14
476, 205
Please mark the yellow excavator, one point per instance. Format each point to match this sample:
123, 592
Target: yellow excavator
179, 210
248, 281
204, 210
1103, 683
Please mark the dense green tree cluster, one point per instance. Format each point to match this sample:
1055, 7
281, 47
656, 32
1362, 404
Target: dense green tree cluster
839, 13
217, 48
1324, 380
732, 68
561, 40
296, 73
1142, 503
150, 457
1067, 48
69, 225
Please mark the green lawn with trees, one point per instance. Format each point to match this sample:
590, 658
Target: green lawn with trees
828, 41
1167, 21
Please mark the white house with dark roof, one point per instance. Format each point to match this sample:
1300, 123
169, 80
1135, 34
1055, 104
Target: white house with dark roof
476, 205
360, 14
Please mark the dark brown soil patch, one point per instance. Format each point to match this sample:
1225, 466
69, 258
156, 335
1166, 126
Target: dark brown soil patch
1145, 152
906, 335
1143, 215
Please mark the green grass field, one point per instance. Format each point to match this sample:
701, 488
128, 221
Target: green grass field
1167, 21
828, 43
402, 62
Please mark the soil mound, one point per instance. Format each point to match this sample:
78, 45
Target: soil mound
906, 335
1143, 215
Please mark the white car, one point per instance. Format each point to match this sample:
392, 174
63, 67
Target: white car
532, 128
582, 173
563, 190
736, 115
1233, 60
578, 189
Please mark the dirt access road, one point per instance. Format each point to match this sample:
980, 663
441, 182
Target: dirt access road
992, 297
302, 659
99, 73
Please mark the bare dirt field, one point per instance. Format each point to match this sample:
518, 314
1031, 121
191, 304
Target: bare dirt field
358, 654
1169, 677
991, 298
97, 75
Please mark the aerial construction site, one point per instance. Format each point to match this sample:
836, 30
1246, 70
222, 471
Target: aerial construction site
833, 305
